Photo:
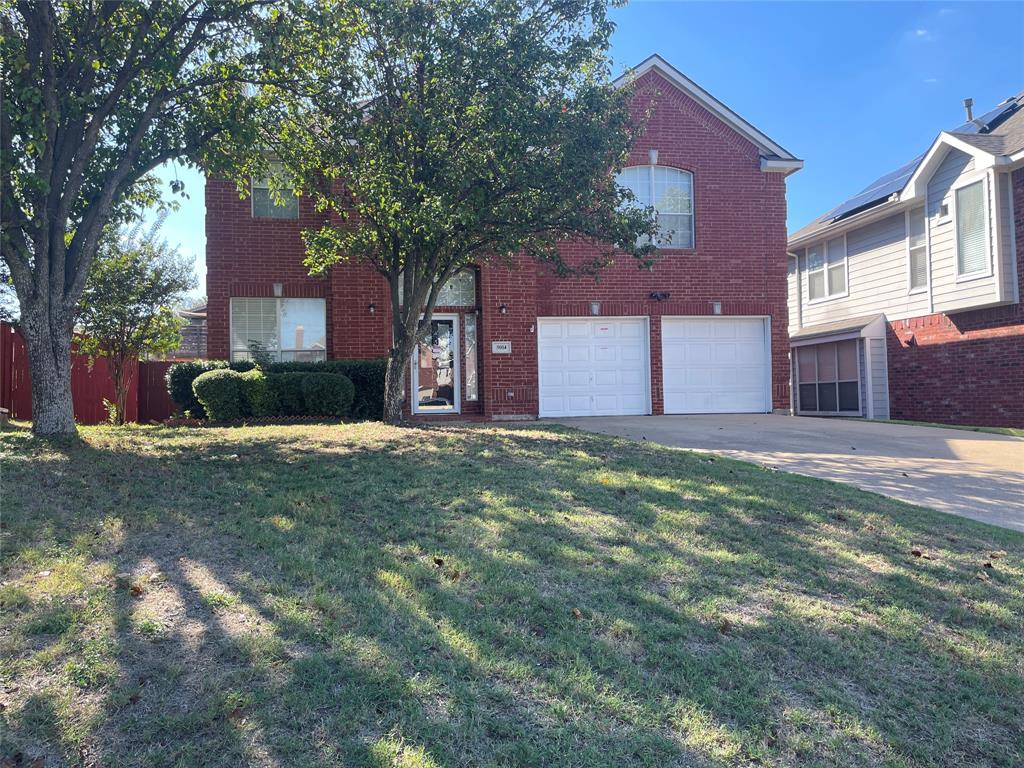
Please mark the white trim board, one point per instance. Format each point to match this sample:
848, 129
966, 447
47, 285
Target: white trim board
718, 109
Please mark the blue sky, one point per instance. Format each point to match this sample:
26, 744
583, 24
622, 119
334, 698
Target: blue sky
854, 89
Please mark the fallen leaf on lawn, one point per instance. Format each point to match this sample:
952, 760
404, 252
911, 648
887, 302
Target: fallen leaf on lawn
236, 714
136, 590
478, 605
982, 576
45, 573
725, 626
916, 552
988, 565
438, 562
577, 614
997, 554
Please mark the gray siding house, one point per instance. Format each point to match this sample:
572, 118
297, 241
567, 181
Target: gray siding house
904, 301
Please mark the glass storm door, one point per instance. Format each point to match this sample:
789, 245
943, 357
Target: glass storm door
435, 368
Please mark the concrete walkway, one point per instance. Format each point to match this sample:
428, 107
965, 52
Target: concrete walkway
972, 474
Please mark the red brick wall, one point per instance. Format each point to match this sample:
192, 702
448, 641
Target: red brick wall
739, 260
739, 256
964, 368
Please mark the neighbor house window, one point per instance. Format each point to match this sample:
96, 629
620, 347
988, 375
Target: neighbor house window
670, 192
917, 251
971, 251
828, 378
826, 269
288, 329
267, 205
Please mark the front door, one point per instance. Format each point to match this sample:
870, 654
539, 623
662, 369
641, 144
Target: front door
435, 368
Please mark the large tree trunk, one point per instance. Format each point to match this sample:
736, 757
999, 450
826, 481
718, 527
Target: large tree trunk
394, 379
48, 340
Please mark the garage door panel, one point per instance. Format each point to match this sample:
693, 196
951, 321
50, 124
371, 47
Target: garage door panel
602, 368
715, 365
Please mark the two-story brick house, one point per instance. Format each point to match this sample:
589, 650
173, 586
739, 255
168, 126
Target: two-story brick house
703, 331
905, 301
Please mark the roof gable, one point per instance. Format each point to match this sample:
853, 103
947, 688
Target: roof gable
770, 150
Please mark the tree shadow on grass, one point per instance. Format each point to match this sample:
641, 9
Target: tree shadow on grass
378, 597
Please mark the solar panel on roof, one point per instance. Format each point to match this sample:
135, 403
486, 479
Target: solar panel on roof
980, 124
877, 190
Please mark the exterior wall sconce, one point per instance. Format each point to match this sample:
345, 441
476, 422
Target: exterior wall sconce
595, 308
372, 308
716, 307
652, 155
503, 309
660, 295
278, 290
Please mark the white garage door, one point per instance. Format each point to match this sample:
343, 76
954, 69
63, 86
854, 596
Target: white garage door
593, 367
715, 364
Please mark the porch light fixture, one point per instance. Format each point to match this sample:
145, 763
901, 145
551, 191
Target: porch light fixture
716, 307
503, 309
372, 308
652, 155
595, 308
278, 290
660, 295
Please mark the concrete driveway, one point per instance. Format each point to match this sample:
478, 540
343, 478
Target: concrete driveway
972, 474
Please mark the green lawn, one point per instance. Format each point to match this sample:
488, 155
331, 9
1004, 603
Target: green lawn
362, 595
1011, 431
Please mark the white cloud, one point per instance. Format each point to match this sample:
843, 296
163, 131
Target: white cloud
920, 33
931, 80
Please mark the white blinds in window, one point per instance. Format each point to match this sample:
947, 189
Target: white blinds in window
918, 267
970, 229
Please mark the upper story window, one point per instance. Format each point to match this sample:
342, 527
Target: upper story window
971, 246
264, 203
826, 270
917, 251
670, 192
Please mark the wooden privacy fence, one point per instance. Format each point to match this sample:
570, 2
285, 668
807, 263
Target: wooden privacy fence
90, 385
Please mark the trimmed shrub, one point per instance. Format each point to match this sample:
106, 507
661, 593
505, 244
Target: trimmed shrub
254, 394
219, 392
181, 376
327, 394
367, 376
284, 394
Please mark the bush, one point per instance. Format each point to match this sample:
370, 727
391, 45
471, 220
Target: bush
367, 376
219, 392
327, 394
254, 394
284, 394
181, 376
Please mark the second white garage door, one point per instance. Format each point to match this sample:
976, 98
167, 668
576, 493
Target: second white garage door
593, 367
715, 364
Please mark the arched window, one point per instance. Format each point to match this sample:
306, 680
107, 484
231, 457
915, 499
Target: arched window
670, 192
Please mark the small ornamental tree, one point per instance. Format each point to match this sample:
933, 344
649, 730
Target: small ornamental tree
127, 308
95, 96
483, 129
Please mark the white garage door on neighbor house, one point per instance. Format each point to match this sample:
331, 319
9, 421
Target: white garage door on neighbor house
593, 366
716, 364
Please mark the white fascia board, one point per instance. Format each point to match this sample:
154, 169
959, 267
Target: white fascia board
785, 167
880, 211
915, 186
706, 100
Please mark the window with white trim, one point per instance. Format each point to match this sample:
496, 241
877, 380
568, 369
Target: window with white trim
280, 203
971, 250
826, 269
288, 329
670, 192
917, 251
